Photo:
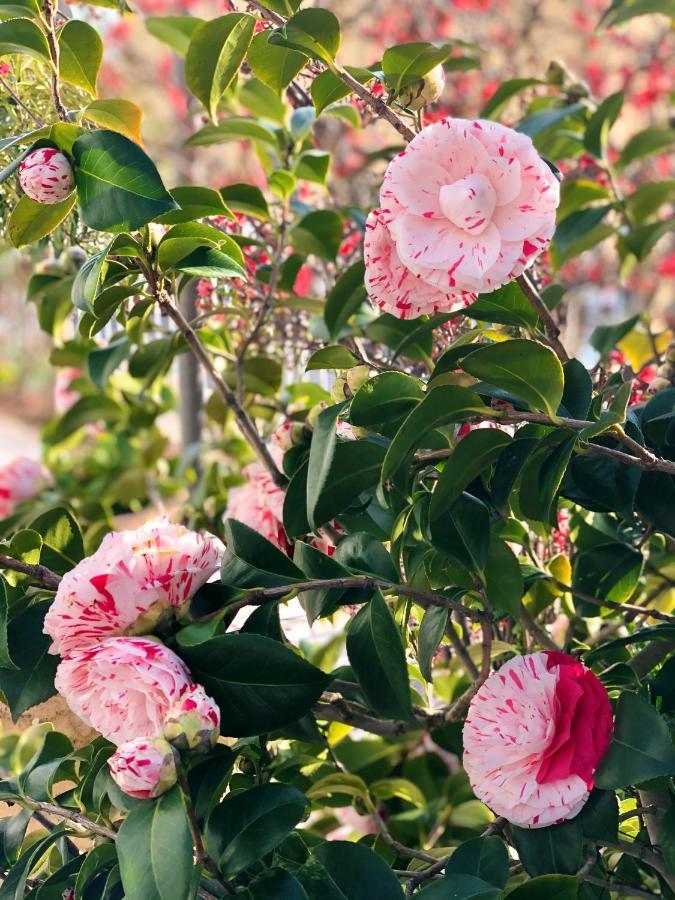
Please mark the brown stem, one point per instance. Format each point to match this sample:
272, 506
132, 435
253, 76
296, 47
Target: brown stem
71, 816
19, 102
244, 421
203, 857
623, 890
339, 710
620, 607
49, 10
547, 320
655, 805
423, 598
396, 846
537, 632
643, 854
41, 575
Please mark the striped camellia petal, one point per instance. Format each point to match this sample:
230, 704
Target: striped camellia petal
534, 736
124, 686
20, 480
133, 580
144, 768
46, 176
466, 207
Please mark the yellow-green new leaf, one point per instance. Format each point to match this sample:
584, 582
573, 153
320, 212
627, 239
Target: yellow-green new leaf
80, 55
31, 221
122, 116
24, 36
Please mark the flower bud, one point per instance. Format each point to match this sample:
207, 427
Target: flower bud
425, 91
46, 176
288, 435
193, 722
314, 413
338, 392
144, 768
357, 377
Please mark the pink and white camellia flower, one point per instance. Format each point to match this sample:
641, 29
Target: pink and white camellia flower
466, 207
259, 502
123, 686
144, 768
534, 736
46, 176
134, 579
20, 480
193, 722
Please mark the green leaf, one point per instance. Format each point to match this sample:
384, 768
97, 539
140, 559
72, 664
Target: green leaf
667, 839
597, 130
6, 661
318, 232
547, 887
462, 532
85, 410
641, 746
548, 118
101, 363
361, 552
528, 370
441, 406
600, 816
14, 885
216, 51
645, 143
315, 32
482, 857
30, 221
33, 680
605, 337
332, 357
236, 128
608, 572
578, 390
386, 788
80, 55
101, 858
503, 579
62, 542
405, 64
207, 262
555, 849
506, 306
460, 887
183, 239
276, 884
474, 453
275, 66
579, 231
345, 298
154, 846
312, 165
356, 872
542, 475
321, 453
328, 88
504, 93
246, 826
176, 31
195, 203
384, 399
623, 10
642, 240
122, 116
24, 36
251, 561
318, 565
118, 185
431, 631
262, 684
355, 468
377, 657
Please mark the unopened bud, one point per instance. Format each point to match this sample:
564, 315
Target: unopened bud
425, 91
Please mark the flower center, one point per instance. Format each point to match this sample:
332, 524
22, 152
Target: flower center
469, 203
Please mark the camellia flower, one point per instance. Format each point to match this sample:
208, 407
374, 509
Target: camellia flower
259, 503
144, 768
193, 722
466, 207
124, 686
46, 176
534, 736
20, 480
134, 579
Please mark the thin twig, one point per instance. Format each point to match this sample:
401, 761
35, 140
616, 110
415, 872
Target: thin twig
49, 11
41, 575
71, 816
19, 102
396, 846
619, 607
550, 327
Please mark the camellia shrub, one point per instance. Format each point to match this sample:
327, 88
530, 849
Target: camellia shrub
478, 530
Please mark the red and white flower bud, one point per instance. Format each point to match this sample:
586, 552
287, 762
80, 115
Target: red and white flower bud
144, 768
46, 176
193, 722
425, 91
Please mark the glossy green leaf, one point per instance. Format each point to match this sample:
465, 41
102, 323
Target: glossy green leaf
550, 850
527, 369
236, 128
246, 826
216, 51
275, 66
357, 872
321, 453
261, 683
597, 130
547, 887
176, 31
384, 399
24, 36
30, 221
482, 857
608, 572
251, 561
474, 454
506, 306
336, 356
376, 655
645, 143
405, 64
318, 232
122, 116
460, 887
462, 532
345, 298
118, 186
62, 541
154, 846
503, 579
503, 94
80, 55
33, 680
431, 631
315, 32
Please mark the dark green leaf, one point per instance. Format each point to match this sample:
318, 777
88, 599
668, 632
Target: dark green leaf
547, 887
261, 683
33, 681
608, 572
62, 543
462, 532
503, 579
550, 850
357, 872
377, 657
118, 186
246, 826
315, 32
345, 298
318, 232
154, 846
252, 561
646, 142
321, 453
275, 66
474, 454
506, 306
503, 94
431, 631
384, 399
597, 130
101, 363
605, 337
482, 857
641, 746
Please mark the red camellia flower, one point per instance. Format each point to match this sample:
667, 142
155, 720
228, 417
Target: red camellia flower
534, 736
